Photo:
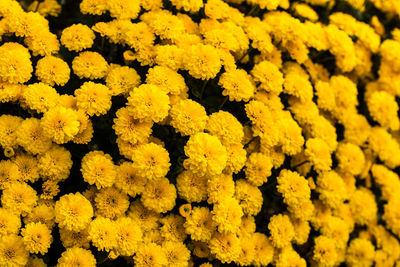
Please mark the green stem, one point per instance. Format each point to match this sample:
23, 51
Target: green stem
223, 102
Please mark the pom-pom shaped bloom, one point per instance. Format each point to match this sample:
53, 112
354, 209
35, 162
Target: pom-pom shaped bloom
351, 158
130, 129
191, 6
27, 166
43, 213
52, 70
199, 224
360, 199
383, 108
93, 7
225, 247
318, 153
121, 9
9, 126
281, 230
77, 37
74, 238
159, 195
325, 251
15, 63
122, 79
73, 212
128, 236
148, 102
19, 197
40, 97
98, 169
202, 61
258, 168
12, 251
37, 238
150, 254
76, 256
167, 79
227, 215
111, 203
360, 252
176, 253
191, 187
269, 77
237, 157
332, 189
60, 124
151, 161
237, 85
9, 222
391, 214
93, 98
226, 127
128, 180
206, 155
188, 117
249, 197
55, 163
294, 188
90, 65
9, 173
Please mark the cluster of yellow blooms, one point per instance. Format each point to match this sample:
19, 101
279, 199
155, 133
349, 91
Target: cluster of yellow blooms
322, 140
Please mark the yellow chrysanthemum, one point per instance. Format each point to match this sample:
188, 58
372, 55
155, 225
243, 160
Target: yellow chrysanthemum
159, 195
71, 239
111, 203
19, 197
226, 127
90, 65
15, 63
281, 230
128, 180
40, 97
73, 212
149, 255
77, 37
76, 257
258, 168
93, 98
188, 117
10, 222
225, 247
98, 168
191, 187
52, 70
12, 251
128, 236
55, 163
37, 238
122, 79
237, 85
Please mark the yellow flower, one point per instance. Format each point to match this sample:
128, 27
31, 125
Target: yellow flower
176, 253
360, 252
147, 219
27, 166
148, 102
52, 70
93, 7
12, 251
360, 199
71, 239
76, 256
383, 108
73, 212
150, 255
19, 197
121, 9
237, 157
151, 161
318, 153
98, 168
122, 79
227, 215
351, 158
170, 56
391, 214
281, 230
130, 129
191, 6
111, 203
237, 85
226, 127
128, 180
41, 213
226, 247
199, 225
269, 77
77, 37
103, 233
202, 61
188, 117
10, 223
294, 189
90, 65
249, 197
337, 229
159, 195
60, 124
258, 168
167, 79
15, 63
172, 228
93, 98
206, 155
55, 163
191, 187
385, 146
37, 238
332, 189
128, 236
325, 252
9, 126
289, 257
43, 43
40, 97
264, 251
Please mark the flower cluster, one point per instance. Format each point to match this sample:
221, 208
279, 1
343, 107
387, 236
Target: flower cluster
190, 132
